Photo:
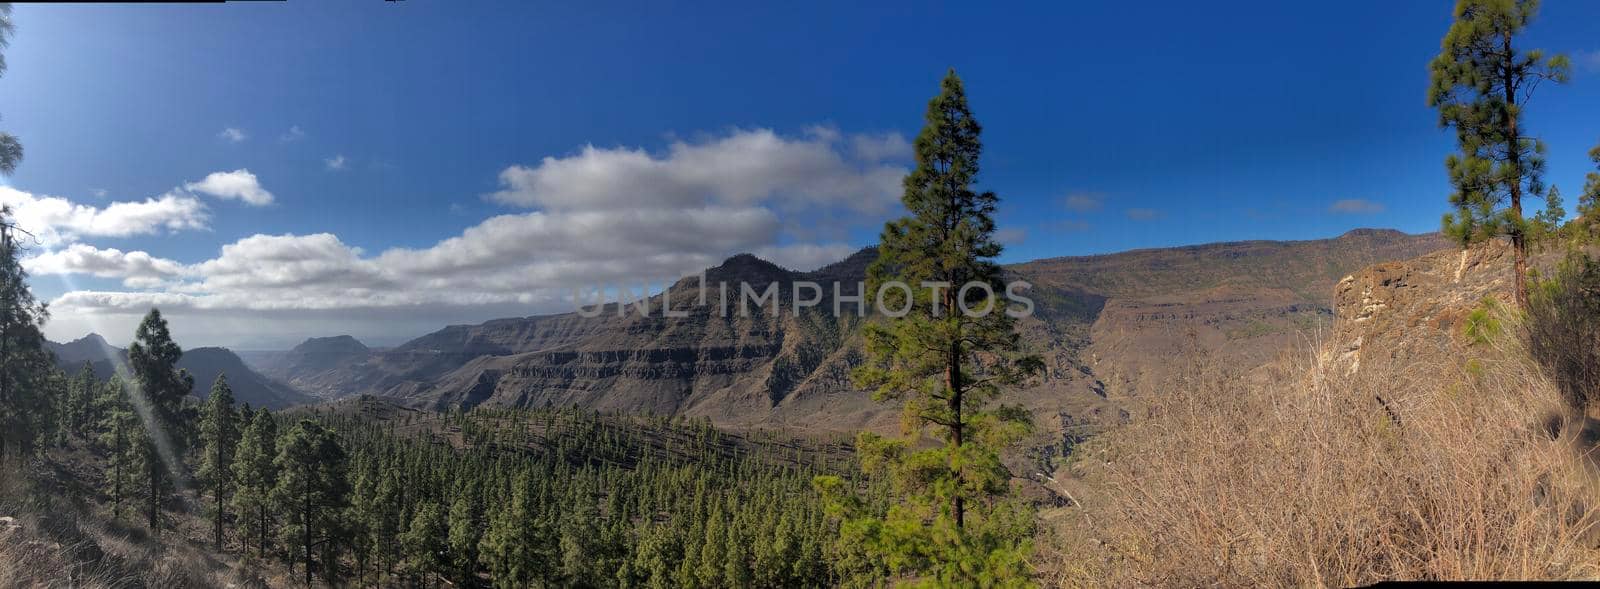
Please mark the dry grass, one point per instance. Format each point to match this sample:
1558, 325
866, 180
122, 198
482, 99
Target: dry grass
1302, 477
49, 540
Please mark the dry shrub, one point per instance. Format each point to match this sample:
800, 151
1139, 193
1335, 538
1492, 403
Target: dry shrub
1303, 477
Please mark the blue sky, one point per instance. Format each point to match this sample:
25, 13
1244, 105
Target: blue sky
390, 136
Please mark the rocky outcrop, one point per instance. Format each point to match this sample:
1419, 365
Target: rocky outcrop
1396, 311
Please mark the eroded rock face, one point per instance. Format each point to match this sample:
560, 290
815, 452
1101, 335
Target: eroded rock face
1396, 311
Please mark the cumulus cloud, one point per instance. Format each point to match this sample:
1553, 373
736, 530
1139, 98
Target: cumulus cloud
53, 219
293, 134
138, 269
598, 218
878, 148
742, 168
232, 135
238, 184
1356, 206
335, 163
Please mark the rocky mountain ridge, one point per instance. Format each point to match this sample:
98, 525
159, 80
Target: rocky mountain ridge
1108, 326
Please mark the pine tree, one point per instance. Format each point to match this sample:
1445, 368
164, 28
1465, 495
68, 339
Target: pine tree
219, 431
312, 491
10, 148
1480, 83
511, 548
1547, 222
78, 408
121, 438
425, 541
254, 476
25, 366
946, 360
466, 531
163, 388
1589, 202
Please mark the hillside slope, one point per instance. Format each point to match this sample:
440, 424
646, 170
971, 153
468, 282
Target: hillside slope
1108, 326
204, 364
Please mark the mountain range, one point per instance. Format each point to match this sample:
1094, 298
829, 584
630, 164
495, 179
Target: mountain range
204, 364
1110, 328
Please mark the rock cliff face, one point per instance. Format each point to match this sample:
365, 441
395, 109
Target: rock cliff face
1393, 312
1109, 327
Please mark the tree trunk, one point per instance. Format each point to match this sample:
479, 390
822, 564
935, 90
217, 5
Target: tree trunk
219, 518
1519, 242
155, 494
953, 379
305, 526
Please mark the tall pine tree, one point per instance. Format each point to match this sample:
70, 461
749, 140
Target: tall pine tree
122, 437
946, 360
312, 492
25, 366
219, 432
1480, 84
254, 476
163, 388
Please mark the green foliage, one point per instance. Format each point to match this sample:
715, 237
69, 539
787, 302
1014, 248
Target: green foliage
121, 436
219, 432
425, 540
312, 492
1480, 82
10, 147
254, 476
162, 389
27, 373
466, 531
1546, 225
946, 366
1589, 201
1562, 327
1483, 322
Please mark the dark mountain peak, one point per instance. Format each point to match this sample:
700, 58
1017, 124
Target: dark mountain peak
213, 352
338, 344
90, 339
747, 268
853, 267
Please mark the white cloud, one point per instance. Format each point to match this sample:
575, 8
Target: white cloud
741, 168
335, 163
232, 135
239, 184
139, 269
52, 219
1356, 206
293, 134
601, 217
885, 147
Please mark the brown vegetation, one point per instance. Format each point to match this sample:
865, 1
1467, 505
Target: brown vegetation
1401, 449
1440, 471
